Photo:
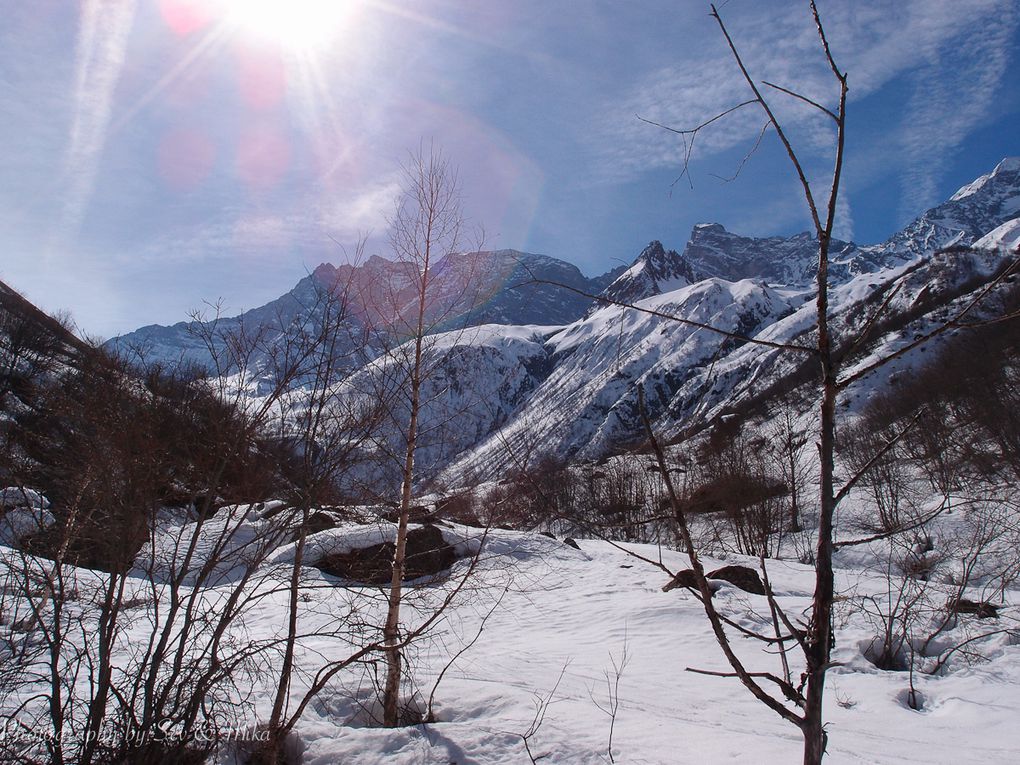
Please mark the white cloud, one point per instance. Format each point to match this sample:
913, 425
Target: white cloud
368, 210
844, 224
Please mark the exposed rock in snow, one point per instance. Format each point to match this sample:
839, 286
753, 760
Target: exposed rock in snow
20, 496
18, 523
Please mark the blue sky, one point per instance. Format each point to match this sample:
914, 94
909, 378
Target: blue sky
156, 155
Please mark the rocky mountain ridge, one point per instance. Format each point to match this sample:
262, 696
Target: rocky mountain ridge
551, 372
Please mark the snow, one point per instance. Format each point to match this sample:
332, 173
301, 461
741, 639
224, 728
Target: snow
23, 511
575, 612
1004, 237
524, 336
230, 539
564, 617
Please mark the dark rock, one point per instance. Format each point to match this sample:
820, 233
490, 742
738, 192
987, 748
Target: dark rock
683, 578
274, 511
981, 609
415, 514
317, 521
427, 554
571, 543
742, 577
547, 534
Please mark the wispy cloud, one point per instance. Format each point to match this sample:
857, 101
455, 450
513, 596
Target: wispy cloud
366, 211
949, 102
953, 56
309, 229
99, 58
844, 224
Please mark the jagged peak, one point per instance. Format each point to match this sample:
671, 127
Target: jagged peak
324, 271
656, 254
655, 271
1006, 166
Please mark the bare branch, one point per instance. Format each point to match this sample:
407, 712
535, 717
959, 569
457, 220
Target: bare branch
789, 691
803, 98
754, 148
760, 99
703, 587
885, 448
893, 532
693, 133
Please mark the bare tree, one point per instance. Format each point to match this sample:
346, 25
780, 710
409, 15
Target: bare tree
815, 638
427, 227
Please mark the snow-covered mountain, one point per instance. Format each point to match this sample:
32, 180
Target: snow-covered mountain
501, 287
655, 271
587, 405
969, 214
548, 372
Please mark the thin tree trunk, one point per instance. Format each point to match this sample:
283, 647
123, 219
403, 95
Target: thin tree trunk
391, 635
427, 222
819, 638
272, 752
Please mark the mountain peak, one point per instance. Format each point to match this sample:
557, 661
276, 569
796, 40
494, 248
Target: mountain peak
973, 211
1006, 171
324, 272
654, 272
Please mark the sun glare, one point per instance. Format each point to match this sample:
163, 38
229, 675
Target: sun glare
295, 24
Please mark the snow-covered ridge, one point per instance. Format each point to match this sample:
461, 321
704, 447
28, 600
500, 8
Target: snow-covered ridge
1008, 165
1006, 236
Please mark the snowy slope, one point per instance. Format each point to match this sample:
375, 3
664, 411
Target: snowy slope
587, 405
474, 380
562, 617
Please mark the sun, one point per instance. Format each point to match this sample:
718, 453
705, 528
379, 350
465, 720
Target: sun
294, 24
